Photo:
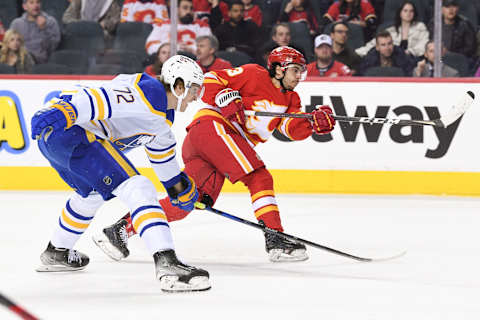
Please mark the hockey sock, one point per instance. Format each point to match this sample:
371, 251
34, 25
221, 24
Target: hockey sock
130, 230
172, 213
149, 219
75, 219
260, 185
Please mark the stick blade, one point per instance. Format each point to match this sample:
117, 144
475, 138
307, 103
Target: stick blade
458, 109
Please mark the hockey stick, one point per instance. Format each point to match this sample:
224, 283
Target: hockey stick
457, 111
15, 308
202, 206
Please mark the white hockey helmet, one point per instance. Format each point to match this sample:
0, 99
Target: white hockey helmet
182, 67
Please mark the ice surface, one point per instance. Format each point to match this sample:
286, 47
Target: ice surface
437, 279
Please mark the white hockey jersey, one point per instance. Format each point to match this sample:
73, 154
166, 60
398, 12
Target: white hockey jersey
144, 11
131, 110
186, 35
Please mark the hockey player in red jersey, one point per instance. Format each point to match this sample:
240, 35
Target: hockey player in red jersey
220, 144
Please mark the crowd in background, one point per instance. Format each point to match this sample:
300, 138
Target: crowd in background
338, 37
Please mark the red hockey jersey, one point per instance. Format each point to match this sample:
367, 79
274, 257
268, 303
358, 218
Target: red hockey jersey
367, 11
258, 94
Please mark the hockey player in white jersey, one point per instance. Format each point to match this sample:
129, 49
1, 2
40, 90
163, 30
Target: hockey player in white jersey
84, 133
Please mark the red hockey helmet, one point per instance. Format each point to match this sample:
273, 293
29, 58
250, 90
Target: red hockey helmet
285, 56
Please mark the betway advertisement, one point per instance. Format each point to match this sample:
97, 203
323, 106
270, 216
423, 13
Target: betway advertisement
355, 146
352, 146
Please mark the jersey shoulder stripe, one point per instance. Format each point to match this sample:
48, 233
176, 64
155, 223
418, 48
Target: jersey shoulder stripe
108, 102
170, 116
152, 93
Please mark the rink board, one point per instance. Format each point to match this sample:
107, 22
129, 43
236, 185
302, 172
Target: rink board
355, 158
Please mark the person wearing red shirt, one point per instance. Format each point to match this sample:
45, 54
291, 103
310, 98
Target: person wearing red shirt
359, 12
212, 12
220, 144
299, 11
325, 66
252, 12
207, 46
2, 31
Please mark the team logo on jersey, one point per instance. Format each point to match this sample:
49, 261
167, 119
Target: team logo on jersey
107, 180
134, 141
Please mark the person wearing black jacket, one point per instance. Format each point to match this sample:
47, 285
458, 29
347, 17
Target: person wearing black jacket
385, 54
458, 34
237, 33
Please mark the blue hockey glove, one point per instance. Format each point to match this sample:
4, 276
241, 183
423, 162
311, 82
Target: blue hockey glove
185, 199
59, 116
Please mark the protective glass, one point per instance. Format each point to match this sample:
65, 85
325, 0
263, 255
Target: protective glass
196, 91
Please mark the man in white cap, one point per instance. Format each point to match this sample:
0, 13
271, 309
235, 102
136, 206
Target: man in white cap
324, 65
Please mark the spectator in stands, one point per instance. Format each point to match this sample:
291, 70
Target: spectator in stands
359, 12
386, 54
212, 12
162, 55
299, 11
105, 12
322, 7
146, 11
378, 6
341, 51
2, 31
252, 12
407, 32
281, 36
425, 66
40, 31
188, 30
14, 53
236, 33
458, 34
325, 65
207, 47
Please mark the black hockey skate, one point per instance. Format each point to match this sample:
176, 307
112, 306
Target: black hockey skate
280, 249
113, 240
176, 276
60, 259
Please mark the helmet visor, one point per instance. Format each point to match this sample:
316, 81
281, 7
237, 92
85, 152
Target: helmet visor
196, 91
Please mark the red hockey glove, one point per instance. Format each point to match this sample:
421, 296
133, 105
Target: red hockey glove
322, 120
231, 106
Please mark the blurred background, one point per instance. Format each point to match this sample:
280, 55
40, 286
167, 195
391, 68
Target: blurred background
363, 37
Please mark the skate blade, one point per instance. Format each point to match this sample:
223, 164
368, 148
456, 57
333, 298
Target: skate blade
278, 255
171, 284
57, 268
104, 244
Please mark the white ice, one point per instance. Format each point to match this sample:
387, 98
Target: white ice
438, 278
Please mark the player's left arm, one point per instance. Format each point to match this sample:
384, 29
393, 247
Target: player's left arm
161, 153
301, 128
